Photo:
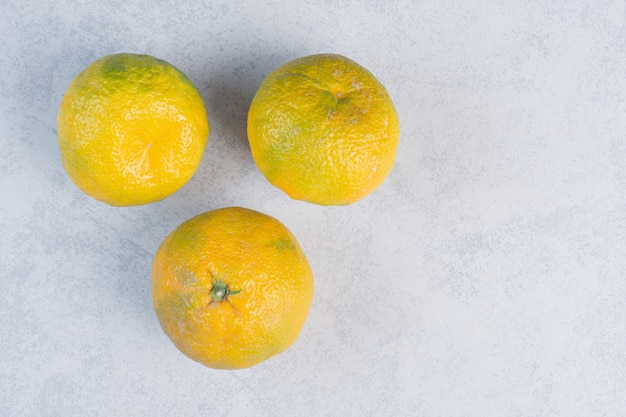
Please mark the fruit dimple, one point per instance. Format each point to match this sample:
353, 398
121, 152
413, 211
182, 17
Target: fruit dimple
338, 94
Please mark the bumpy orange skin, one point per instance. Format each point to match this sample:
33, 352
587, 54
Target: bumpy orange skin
324, 130
132, 129
258, 260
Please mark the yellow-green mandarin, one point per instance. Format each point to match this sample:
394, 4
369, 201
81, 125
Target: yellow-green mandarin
323, 129
132, 129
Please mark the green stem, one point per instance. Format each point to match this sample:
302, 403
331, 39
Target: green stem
220, 291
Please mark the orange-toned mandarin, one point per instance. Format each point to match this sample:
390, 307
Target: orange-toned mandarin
231, 288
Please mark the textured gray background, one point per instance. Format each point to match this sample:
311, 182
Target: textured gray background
485, 277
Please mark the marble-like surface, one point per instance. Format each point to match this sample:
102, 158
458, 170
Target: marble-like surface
485, 277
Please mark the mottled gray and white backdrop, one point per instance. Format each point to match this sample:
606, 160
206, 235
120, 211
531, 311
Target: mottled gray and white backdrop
485, 277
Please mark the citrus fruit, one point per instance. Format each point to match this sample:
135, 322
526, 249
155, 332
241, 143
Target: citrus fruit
231, 288
132, 129
323, 129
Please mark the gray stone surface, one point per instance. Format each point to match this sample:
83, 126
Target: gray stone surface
485, 277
